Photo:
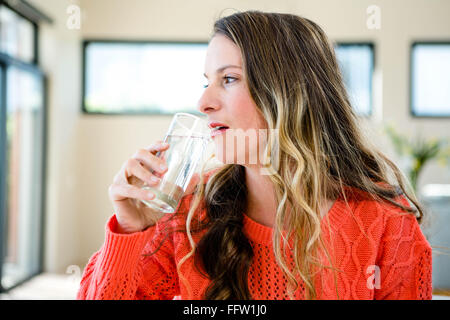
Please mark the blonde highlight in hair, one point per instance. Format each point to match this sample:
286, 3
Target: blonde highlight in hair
294, 79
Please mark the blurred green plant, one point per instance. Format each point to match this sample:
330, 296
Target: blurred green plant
419, 151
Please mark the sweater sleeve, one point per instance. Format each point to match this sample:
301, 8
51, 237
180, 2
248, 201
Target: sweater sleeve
404, 260
122, 268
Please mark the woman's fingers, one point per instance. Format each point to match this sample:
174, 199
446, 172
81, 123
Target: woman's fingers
119, 192
143, 166
135, 168
150, 161
158, 146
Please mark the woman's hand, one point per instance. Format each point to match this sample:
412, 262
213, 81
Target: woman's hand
144, 167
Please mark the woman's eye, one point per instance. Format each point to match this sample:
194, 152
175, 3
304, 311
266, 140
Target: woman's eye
231, 78
228, 79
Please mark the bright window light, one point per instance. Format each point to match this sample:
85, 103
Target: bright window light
430, 79
130, 77
357, 62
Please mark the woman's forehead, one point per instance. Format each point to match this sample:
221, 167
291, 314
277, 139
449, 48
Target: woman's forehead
221, 52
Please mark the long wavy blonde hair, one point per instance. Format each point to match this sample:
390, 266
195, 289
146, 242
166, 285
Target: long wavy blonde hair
295, 81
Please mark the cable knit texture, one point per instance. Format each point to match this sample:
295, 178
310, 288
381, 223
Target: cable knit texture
379, 250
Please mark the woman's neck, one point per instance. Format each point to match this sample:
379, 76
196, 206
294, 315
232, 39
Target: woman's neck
261, 205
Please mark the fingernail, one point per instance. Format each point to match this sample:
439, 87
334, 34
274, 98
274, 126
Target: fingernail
162, 166
154, 179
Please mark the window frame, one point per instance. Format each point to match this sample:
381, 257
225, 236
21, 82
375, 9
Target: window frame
34, 16
3, 167
411, 89
87, 41
372, 47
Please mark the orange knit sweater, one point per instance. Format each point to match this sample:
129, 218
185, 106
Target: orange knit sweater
392, 262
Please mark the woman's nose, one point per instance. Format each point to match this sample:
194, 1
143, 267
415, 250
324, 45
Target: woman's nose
208, 101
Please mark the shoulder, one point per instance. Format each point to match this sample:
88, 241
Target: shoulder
384, 221
395, 221
403, 250
378, 217
401, 228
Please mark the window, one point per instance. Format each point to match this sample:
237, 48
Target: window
122, 77
24, 148
22, 152
356, 61
430, 79
17, 35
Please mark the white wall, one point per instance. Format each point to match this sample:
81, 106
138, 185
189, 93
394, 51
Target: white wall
86, 150
60, 59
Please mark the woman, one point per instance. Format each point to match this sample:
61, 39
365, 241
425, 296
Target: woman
328, 218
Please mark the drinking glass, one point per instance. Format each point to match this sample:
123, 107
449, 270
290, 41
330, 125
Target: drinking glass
188, 137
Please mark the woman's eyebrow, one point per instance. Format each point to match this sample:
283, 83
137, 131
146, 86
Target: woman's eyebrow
223, 68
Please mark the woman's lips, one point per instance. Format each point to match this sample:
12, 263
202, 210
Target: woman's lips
218, 132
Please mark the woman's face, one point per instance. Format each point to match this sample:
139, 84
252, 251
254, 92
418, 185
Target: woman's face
226, 99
